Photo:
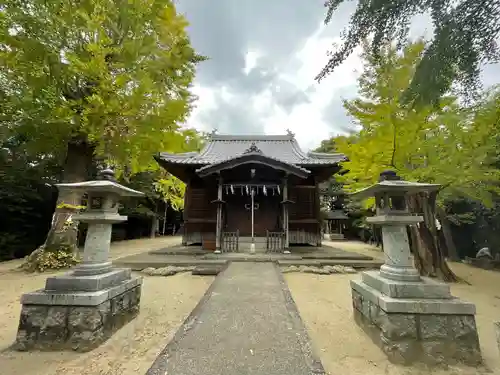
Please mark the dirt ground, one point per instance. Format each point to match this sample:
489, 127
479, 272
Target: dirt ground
324, 302
165, 303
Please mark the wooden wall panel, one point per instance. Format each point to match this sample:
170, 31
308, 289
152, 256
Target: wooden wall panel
304, 206
199, 204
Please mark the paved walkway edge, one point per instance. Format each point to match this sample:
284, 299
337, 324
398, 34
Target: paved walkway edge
159, 366
312, 360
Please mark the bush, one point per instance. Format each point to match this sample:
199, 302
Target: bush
42, 259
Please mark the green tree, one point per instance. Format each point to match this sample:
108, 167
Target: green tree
26, 198
465, 37
449, 145
95, 79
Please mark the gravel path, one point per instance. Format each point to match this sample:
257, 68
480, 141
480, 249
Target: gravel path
246, 325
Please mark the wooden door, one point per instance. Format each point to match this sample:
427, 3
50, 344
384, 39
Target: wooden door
267, 214
237, 217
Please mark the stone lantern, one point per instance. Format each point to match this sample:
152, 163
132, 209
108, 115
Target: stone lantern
81, 309
412, 318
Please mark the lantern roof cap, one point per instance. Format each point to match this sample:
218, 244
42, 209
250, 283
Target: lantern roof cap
105, 183
390, 182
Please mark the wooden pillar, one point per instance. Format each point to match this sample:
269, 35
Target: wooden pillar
218, 228
317, 209
285, 211
185, 212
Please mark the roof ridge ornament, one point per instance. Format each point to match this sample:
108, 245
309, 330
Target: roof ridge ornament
289, 133
253, 149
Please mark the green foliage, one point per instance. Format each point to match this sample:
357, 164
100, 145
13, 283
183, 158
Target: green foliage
70, 206
116, 73
158, 185
449, 144
465, 36
26, 202
172, 190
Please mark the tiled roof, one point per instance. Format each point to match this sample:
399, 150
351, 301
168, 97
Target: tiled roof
280, 147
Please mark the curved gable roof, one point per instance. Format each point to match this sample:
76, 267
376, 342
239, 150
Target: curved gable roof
280, 147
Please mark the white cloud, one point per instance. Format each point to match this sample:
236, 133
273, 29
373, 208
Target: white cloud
205, 102
251, 58
306, 120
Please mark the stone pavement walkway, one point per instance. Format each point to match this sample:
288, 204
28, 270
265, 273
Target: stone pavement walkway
247, 323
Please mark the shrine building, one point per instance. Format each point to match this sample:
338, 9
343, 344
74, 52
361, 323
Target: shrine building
252, 193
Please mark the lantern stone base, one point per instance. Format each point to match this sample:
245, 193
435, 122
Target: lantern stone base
80, 321
415, 327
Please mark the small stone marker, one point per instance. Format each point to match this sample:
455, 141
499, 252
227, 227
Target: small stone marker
497, 333
83, 308
412, 318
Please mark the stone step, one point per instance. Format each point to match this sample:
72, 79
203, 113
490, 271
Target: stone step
141, 261
351, 256
246, 257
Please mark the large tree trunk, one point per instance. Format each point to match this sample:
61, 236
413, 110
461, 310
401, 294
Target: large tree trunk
78, 162
426, 248
447, 234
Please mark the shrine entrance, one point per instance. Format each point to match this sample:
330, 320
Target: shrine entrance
266, 210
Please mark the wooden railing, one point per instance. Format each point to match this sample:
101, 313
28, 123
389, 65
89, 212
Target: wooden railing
230, 242
275, 241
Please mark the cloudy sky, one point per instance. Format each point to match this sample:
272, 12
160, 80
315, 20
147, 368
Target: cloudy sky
264, 55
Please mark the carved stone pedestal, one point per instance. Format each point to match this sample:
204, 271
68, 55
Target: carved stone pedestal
416, 322
78, 321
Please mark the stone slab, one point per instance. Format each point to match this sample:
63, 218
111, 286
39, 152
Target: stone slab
453, 306
93, 283
247, 257
363, 264
140, 261
43, 297
324, 256
396, 220
207, 270
426, 288
247, 323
